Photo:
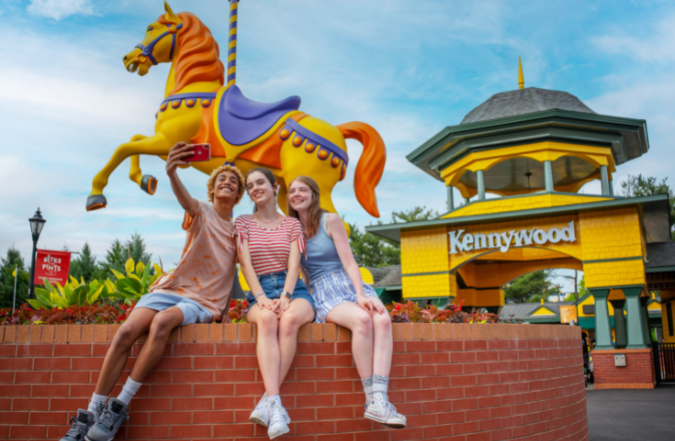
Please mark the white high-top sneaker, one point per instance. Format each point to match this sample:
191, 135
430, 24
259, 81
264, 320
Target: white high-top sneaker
261, 413
277, 425
381, 410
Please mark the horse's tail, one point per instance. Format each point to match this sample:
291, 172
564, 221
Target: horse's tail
371, 164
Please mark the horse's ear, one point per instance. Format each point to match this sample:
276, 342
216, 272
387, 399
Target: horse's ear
169, 15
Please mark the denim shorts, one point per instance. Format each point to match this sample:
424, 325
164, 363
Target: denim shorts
193, 312
273, 285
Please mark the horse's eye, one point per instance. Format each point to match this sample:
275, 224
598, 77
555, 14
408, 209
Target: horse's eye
149, 28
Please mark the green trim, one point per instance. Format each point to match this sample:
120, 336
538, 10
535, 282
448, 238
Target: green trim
550, 319
622, 287
393, 231
427, 298
621, 259
577, 127
436, 273
389, 287
660, 269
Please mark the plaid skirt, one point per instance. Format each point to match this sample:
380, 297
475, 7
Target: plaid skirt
333, 289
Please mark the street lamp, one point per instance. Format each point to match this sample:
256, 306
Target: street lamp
36, 224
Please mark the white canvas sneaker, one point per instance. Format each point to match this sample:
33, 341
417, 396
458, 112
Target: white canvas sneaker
277, 425
261, 414
381, 410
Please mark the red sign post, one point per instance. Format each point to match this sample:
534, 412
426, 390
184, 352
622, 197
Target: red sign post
53, 266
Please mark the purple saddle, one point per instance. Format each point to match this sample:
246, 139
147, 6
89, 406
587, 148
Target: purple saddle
241, 120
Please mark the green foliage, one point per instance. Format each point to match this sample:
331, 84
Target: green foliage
414, 215
531, 287
7, 267
119, 253
410, 312
375, 251
96, 314
635, 186
84, 266
581, 288
136, 282
73, 293
372, 250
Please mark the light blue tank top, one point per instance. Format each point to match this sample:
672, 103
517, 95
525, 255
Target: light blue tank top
322, 258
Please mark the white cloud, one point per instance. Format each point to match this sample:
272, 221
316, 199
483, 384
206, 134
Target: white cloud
657, 47
58, 9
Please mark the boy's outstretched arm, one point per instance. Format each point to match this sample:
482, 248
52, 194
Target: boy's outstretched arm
176, 154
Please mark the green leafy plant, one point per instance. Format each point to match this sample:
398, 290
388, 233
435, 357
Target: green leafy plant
88, 314
136, 282
73, 293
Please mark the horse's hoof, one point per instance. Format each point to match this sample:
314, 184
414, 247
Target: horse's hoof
149, 184
96, 202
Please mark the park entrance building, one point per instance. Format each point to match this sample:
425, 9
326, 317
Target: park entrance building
534, 149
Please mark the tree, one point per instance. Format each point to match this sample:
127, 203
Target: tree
583, 291
413, 215
7, 267
119, 253
531, 287
84, 266
635, 186
372, 250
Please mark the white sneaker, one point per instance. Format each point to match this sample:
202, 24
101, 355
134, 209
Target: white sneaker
277, 424
261, 413
381, 410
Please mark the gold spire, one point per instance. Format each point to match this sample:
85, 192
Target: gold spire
521, 78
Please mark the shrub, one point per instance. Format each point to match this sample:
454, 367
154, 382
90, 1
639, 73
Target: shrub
411, 313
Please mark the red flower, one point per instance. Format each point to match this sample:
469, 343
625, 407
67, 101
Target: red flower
244, 303
397, 307
233, 303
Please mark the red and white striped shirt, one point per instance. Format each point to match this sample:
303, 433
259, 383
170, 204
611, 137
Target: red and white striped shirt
269, 248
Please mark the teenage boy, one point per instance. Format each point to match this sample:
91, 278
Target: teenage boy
197, 291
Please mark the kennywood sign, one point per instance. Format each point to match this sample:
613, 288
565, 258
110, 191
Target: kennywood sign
460, 242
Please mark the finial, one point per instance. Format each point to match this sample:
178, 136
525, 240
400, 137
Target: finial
542, 301
521, 78
654, 295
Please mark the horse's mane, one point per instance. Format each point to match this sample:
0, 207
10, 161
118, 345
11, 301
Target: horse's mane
198, 54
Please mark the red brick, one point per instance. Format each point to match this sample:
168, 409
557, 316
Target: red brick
316, 374
235, 375
193, 349
333, 360
318, 348
420, 395
243, 362
235, 403
175, 363
408, 358
191, 431
49, 390
14, 391
70, 377
71, 350
212, 417
213, 390
192, 377
334, 386
148, 432
15, 364
475, 345
30, 404
300, 387
6, 377
435, 357
315, 427
30, 350
28, 431
88, 364
13, 417
352, 425
318, 400
47, 418
235, 348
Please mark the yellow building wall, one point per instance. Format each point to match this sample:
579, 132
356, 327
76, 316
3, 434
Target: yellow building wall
423, 253
667, 296
480, 298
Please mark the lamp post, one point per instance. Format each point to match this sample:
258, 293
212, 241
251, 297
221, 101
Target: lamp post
36, 224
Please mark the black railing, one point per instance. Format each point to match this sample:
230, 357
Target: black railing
664, 362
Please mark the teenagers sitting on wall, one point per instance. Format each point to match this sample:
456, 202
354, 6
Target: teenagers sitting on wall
197, 291
341, 297
270, 245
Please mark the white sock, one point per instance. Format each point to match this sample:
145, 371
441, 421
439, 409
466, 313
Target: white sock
381, 384
276, 398
94, 403
129, 390
368, 388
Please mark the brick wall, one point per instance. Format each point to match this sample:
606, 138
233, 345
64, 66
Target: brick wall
454, 382
637, 374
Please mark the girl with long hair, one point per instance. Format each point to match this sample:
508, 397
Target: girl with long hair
269, 249
341, 297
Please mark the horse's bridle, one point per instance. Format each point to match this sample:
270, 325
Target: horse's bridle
147, 49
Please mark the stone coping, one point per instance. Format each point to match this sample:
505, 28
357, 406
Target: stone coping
314, 332
621, 351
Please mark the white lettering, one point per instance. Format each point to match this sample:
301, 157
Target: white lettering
508, 237
468, 242
454, 241
539, 236
480, 241
522, 237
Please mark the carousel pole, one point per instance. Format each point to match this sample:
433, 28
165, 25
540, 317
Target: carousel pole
232, 44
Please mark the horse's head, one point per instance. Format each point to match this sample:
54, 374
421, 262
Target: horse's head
158, 46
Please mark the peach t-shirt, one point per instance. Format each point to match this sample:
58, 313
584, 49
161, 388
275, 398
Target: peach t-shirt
206, 270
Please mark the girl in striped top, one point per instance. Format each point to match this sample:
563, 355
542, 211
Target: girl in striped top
269, 249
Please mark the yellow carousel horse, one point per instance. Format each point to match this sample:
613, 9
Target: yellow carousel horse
198, 107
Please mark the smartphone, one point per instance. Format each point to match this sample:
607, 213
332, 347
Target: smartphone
202, 153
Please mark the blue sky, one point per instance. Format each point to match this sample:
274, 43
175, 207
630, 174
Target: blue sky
407, 68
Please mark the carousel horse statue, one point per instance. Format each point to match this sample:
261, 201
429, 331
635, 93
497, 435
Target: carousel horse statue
199, 107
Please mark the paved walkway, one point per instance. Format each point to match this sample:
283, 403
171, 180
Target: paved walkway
617, 415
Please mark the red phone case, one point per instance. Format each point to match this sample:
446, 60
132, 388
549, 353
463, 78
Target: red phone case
202, 153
